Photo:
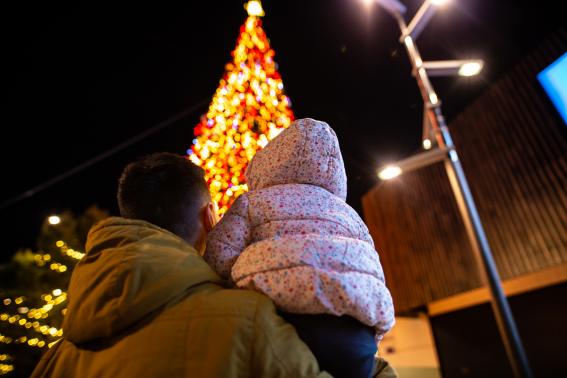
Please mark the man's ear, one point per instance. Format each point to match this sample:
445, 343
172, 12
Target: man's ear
211, 216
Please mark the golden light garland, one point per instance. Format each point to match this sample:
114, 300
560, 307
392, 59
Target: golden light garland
5, 368
42, 259
249, 109
56, 299
66, 251
29, 318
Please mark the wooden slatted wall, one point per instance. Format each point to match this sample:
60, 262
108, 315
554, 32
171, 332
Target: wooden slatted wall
513, 147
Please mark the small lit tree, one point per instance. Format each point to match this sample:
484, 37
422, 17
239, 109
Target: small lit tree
33, 296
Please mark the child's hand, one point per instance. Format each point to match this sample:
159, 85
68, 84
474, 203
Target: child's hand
216, 216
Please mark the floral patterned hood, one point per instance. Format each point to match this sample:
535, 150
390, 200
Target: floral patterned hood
305, 153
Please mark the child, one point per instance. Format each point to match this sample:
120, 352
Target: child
294, 238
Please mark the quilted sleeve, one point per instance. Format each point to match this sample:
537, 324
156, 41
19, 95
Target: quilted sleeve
229, 238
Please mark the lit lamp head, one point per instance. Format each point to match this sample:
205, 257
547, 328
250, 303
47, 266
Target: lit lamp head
453, 67
389, 172
471, 68
54, 219
412, 163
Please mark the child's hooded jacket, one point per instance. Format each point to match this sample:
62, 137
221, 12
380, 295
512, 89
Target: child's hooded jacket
294, 238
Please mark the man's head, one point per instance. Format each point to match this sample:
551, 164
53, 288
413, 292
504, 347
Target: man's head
169, 191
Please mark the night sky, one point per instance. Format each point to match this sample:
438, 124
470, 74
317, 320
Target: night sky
79, 80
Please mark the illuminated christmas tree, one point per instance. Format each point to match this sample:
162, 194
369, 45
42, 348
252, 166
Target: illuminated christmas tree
249, 108
33, 296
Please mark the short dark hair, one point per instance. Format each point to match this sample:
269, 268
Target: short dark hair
164, 189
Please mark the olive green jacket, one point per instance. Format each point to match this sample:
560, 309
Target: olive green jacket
143, 303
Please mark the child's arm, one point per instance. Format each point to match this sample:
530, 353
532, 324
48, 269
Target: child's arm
363, 233
228, 238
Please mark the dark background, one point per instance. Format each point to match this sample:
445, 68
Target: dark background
469, 345
79, 79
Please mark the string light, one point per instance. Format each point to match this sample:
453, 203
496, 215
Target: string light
5, 339
249, 109
66, 251
39, 313
6, 368
19, 315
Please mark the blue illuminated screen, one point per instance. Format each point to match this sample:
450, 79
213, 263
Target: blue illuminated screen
554, 81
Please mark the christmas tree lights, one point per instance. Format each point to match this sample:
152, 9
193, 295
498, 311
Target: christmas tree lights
28, 328
249, 109
33, 299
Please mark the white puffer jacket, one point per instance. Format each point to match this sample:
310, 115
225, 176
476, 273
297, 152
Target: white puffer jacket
294, 238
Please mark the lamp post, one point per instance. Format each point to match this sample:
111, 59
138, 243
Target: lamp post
435, 127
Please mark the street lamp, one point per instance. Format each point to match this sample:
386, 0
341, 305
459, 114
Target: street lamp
453, 67
412, 163
435, 131
54, 219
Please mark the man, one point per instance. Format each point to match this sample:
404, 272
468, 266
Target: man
143, 302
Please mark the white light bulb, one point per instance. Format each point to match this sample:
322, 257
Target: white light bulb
470, 69
390, 172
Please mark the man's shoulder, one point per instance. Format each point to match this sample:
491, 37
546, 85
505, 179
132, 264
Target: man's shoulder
231, 302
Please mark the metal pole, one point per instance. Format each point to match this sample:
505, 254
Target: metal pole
469, 214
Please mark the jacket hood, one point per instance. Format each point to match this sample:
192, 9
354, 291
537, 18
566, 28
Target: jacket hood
307, 152
131, 268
